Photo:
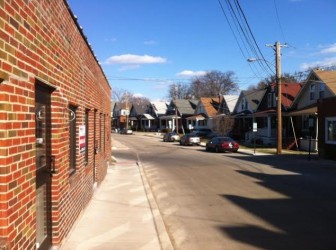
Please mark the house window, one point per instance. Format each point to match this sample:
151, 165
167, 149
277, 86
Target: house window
322, 88
72, 139
270, 100
202, 123
244, 104
312, 91
330, 123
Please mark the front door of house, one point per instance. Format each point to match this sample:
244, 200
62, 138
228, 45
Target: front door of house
43, 167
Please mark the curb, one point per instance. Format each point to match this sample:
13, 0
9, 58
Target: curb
160, 227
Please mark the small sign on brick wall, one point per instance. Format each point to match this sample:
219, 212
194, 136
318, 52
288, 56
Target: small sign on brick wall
82, 142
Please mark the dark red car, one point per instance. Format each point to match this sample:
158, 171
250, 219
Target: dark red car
222, 144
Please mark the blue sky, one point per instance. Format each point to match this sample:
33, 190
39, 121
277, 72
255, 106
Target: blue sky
144, 46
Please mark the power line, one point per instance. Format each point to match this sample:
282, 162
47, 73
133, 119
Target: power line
243, 34
278, 18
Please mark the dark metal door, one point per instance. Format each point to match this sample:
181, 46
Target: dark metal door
43, 167
95, 146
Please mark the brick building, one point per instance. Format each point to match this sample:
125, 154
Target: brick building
55, 114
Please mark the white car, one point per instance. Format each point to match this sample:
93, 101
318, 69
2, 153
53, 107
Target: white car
126, 131
190, 139
171, 137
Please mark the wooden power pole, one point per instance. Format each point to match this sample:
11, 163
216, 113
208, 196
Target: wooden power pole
277, 47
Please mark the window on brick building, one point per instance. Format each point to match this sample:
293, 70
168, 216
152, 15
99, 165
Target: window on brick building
104, 130
101, 125
72, 139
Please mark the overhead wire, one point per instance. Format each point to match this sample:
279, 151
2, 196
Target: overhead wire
245, 53
244, 37
278, 19
257, 48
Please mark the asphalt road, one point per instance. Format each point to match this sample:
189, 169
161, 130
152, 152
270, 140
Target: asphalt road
236, 201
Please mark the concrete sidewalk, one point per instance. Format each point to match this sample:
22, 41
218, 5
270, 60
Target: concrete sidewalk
121, 215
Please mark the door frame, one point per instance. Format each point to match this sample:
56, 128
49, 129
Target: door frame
44, 162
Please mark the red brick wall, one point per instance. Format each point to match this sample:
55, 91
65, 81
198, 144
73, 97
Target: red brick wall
41, 41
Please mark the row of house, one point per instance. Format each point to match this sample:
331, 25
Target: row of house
303, 105
182, 114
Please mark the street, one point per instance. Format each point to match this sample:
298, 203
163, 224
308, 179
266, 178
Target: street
237, 201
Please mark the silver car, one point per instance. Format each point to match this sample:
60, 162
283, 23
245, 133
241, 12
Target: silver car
171, 137
190, 139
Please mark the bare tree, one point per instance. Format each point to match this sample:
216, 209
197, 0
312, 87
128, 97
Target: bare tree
123, 96
119, 95
223, 124
139, 100
285, 78
214, 83
179, 91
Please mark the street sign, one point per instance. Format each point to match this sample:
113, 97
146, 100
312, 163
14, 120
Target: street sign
255, 127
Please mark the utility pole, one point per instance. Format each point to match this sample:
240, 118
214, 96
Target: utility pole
126, 110
177, 128
277, 47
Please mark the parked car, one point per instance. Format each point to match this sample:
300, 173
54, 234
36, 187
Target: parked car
114, 130
126, 131
171, 137
202, 132
190, 139
211, 135
222, 144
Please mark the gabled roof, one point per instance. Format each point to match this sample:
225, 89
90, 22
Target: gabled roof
328, 77
252, 97
121, 105
210, 104
113, 104
193, 103
289, 92
231, 101
159, 108
184, 106
140, 108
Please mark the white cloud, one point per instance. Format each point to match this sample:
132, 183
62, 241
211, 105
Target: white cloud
331, 61
150, 42
190, 73
129, 67
110, 40
138, 95
135, 59
329, 50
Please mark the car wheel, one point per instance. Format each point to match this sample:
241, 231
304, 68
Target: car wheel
180, 143
172, 139
207, 149
216, 149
